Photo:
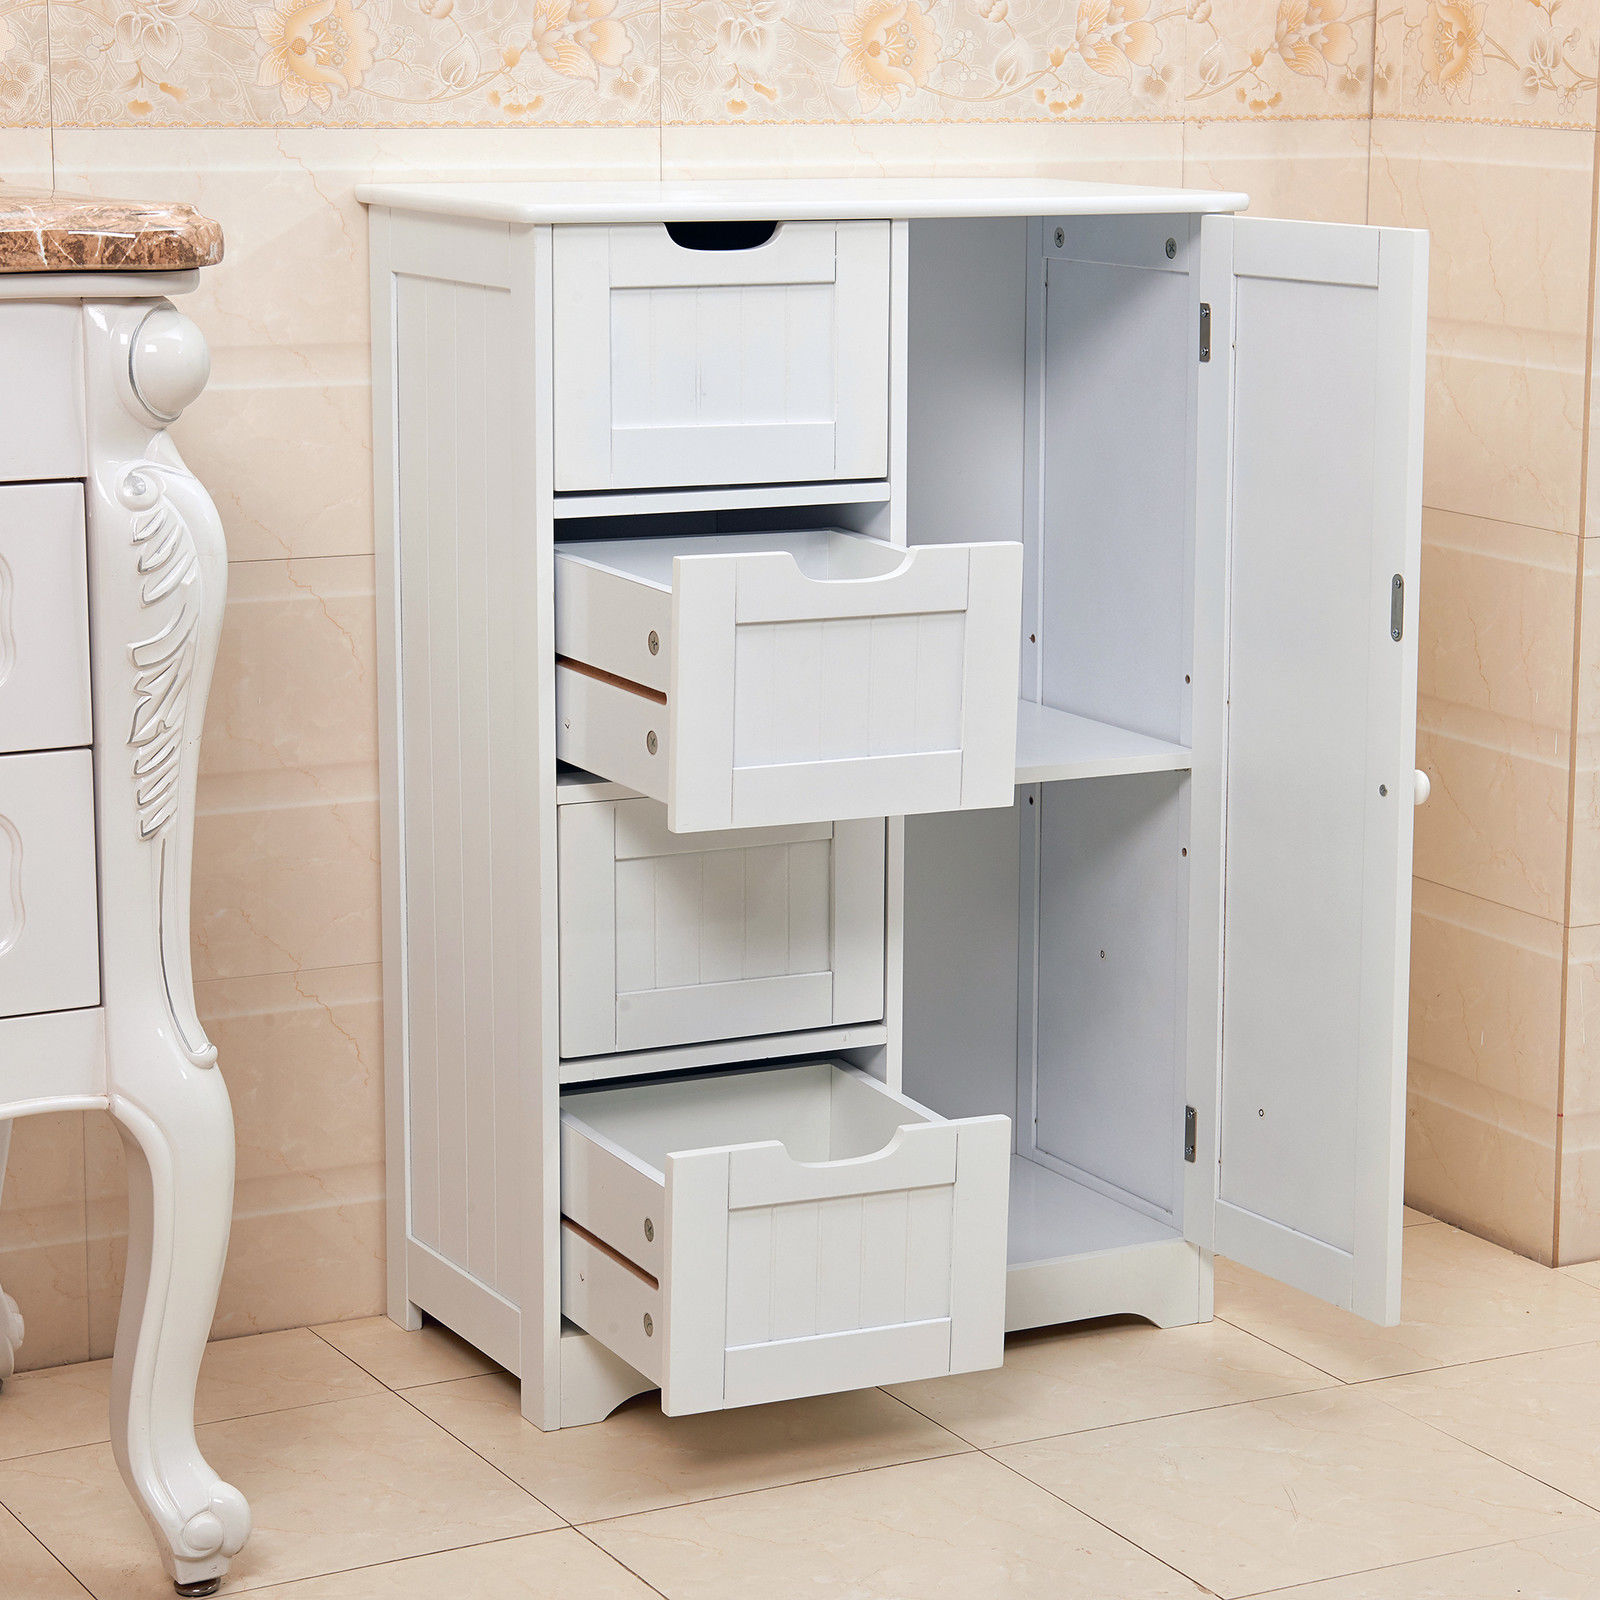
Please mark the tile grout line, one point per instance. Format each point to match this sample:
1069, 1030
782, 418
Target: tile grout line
594, 1543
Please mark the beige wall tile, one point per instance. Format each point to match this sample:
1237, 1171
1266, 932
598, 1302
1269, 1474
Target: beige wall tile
1122, 152
1489, 61
1313, 170
354, 62
43, 1261
24, 80
1263, 60
803, 61
1482, 1161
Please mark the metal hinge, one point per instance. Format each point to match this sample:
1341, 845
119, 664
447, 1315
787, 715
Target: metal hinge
1188, 1133
1397, 608
1205, 331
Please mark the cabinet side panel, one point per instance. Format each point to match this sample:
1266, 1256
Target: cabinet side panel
458, 783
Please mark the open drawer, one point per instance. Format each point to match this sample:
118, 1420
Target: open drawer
775, 1232
759, 680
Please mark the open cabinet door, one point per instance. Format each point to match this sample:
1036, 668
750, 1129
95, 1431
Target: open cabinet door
1309, 483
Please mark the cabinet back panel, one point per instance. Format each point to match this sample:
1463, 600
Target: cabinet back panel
1113, 904
1114, 569
960, 981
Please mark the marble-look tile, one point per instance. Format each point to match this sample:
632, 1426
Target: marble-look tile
68, 1406
1312, 170
1578, 1219
1495, 825
354, 63
402, 1359
295, 686
43, 1264
1508, 216
559, 1565
1559, 1566
1414, 1218
286, 871
346, 1484
1482, 1161
1463, 1300
952, 1529
28, 1570
1584, 1272
1539, 1413
801, 61
1267, 60
638, 1460
1485, 997
1497, 62
1063, 1380
1123, 152
1261, 1496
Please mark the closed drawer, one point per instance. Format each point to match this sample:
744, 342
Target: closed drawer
765, 1234
669, 938
49, 924
41, 413
756, 680
44, 618
684, 365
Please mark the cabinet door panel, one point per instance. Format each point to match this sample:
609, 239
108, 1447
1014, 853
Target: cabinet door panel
1315, 382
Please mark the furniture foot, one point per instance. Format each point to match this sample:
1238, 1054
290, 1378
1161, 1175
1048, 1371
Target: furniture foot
179, 1142
594, 1382
208, 1586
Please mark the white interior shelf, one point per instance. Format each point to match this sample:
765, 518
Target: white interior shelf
1055, 744
1052, 1217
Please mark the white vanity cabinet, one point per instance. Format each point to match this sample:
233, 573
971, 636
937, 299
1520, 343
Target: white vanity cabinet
898, 726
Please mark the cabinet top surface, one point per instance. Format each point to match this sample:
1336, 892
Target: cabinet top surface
51, 231
792, 199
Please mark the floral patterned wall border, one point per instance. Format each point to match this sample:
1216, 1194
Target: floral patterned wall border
24, 65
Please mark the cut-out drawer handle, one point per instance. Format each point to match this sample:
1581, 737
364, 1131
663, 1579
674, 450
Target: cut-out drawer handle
720, 235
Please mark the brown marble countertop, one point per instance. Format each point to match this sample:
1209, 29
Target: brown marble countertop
44, 231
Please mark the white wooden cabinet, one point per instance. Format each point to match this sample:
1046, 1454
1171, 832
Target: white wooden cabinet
113, 572
1117, 633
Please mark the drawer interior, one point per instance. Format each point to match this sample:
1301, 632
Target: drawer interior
816, 1111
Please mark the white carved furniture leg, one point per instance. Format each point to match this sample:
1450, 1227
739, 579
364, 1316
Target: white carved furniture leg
158, 576
10, 1316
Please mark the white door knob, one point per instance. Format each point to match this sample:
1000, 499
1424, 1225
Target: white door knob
1424, 788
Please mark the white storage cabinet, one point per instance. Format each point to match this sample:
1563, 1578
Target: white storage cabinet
893, 837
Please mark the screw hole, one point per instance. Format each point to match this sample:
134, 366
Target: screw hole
1383, 788
654, 642
649, 1231
649, 1326
1172, 248
1061, 237
651, 743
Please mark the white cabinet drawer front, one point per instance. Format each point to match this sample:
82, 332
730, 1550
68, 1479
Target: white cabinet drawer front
753, 680
760, 1235
677, 365
41, 417
44, 618
671, 938
49, 921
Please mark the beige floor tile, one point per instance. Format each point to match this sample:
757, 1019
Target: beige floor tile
962, 1528
562, 1565
637, 1459
1561, 1566
1289, 1491
1413, 1218
66, 1406
1585, 1272
1464, 1300
1539, 1413
404, 1360
348, 1484
1065, 1380
28, 1571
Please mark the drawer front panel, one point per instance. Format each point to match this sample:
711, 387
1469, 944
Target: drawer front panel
41, 420
685, 366
794, 677
867, 1247
676, 938
49, 921
44, 618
